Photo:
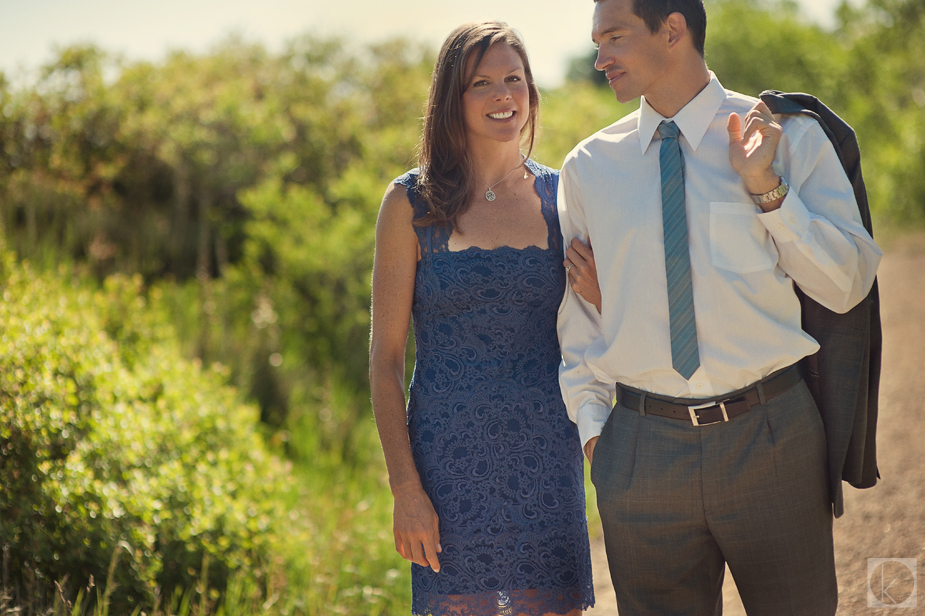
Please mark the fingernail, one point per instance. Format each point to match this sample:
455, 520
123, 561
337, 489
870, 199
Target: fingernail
439, 548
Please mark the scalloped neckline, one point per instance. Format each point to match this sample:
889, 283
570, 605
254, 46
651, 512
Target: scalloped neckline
470, 249
536, 171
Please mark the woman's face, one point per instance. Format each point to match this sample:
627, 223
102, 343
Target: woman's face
496, 103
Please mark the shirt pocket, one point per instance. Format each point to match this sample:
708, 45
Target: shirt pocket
739, 242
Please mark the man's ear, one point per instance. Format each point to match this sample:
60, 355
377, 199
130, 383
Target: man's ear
676, 29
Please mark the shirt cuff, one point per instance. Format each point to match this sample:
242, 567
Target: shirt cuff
591, 420
789, 222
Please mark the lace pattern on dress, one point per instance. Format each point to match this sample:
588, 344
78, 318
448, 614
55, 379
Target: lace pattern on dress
491, 439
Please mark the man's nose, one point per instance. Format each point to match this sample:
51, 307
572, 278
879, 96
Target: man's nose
601, 62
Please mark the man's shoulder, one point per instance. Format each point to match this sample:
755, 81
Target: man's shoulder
618, 131
738, 102
795, 126
742, 103
606, 138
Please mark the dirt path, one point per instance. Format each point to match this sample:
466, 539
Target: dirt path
888, 521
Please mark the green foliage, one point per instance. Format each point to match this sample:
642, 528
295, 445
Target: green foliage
111, 446
582, 68
887, 69
354, 566
184, 172
317, 258
755, 45
573, 113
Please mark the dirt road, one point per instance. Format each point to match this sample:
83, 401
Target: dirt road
887, 521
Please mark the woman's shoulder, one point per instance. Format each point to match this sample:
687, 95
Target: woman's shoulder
411, 193
399, 194
403, 199
409, 179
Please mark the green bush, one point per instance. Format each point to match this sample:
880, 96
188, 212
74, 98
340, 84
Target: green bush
112, 445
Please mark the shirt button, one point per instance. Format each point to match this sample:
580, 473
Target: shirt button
793, 219
780, 226
699, 385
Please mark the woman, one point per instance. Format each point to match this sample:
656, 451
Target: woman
485, 467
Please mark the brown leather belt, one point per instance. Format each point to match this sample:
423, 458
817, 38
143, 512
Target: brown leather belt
711, 410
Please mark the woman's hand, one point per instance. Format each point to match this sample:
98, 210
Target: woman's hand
582, 272
416, 527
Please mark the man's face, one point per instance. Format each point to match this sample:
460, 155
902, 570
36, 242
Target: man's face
633, 58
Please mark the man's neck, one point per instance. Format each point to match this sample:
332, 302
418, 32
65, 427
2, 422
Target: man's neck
679, 87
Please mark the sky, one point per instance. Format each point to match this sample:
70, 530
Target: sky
147, 29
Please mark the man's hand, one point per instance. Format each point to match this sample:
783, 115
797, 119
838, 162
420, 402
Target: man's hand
751, 152
589, 448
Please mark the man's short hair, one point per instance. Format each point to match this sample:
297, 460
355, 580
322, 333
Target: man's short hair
655, 12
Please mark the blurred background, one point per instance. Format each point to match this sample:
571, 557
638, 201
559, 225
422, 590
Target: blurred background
188, 196
147, 30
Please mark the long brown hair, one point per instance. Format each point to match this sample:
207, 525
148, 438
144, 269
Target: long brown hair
445, 179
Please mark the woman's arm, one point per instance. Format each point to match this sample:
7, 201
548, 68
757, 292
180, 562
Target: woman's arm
415, 523
582, 272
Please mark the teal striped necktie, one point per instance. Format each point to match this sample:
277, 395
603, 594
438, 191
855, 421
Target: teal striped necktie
685, 356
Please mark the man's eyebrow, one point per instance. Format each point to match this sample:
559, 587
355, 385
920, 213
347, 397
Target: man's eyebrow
604, 33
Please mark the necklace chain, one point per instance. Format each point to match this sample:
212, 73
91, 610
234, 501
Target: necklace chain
490, 194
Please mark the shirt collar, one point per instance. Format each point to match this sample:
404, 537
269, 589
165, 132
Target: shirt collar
694, 118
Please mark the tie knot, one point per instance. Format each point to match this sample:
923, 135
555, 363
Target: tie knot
668, 130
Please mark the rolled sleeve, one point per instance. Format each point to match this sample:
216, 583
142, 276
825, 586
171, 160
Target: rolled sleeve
821, 241
591, 420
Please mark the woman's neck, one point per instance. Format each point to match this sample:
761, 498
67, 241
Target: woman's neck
491, 163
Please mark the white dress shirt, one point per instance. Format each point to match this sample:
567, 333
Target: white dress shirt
743, 262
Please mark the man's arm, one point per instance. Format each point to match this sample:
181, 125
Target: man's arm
587, 399
822, 244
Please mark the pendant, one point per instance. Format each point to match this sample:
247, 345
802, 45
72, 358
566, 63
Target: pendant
489, 195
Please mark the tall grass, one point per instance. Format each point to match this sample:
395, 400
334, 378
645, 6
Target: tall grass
354, 567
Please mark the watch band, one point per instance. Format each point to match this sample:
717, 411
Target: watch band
773, 195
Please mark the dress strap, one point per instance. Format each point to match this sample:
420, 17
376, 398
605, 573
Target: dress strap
547, 187
432, 238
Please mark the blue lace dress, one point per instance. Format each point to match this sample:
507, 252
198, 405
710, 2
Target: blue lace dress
494, 447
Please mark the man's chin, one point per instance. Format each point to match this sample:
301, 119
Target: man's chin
624, 97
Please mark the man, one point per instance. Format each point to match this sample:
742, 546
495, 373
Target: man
701, 223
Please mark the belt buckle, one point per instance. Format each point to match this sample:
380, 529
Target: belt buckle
695, 419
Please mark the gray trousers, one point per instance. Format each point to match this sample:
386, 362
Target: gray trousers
678, 501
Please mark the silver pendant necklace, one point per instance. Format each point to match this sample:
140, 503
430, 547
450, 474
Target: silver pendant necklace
490, 194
